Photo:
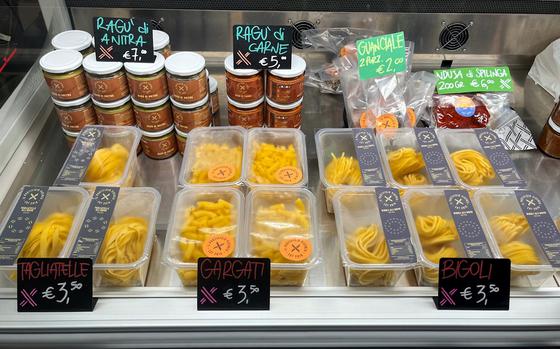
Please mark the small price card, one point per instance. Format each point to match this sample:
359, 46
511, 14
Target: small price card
473, 284
123, 40
381, 55
233, 284
474, 79
262, 47
54, 285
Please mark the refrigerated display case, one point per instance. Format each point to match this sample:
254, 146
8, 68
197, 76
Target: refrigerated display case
324, 311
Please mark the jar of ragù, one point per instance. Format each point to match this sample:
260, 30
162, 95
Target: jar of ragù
106, 80
181, 140
283, 115
159, 145
64, 74
186, 77
77, 40
191, 116
214, 98
153, 116
161, 43
285, 86
247, 115
146, 81
70, 137
243, 85
76, 114
118, 113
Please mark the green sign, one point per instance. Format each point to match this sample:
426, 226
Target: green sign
381, 55
474, 79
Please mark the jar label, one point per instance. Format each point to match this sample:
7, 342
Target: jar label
186, 120
159, 148
284, 91
122, 118
148, 89
188, 91
157, 119
74, 120
108, 89
245, 89
67, 87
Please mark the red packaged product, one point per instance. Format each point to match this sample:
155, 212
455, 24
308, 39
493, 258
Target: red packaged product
460, 111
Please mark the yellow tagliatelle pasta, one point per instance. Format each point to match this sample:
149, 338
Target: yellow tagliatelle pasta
47, 237
273, 224
268, 159
435, 231
509, 227
405, 164
208, 156
107, 164
205, 219
123, 244
473, 167
367, 245
430, 275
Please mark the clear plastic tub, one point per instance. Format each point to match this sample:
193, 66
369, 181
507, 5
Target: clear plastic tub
507, 230
70, 201
124, 256
214, 157
187, 239
115, 162
357, 214
465, 139
412, 172
430, 206
282, 225
335, 142
275, 157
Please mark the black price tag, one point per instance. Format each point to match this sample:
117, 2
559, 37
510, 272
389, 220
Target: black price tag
123, 40
54, 284
233, 284
262, 47
473, 284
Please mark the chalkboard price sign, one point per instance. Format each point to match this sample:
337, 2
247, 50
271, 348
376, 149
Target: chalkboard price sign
123, 40
473, 284
262, 47
54, 285
233, 284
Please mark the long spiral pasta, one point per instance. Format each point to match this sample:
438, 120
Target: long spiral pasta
123, 244
268, 159
343, 170
209, 155
435, 231
473, 167
107, 164
509, 227
520, 253
405, 164
367, 245
430, 275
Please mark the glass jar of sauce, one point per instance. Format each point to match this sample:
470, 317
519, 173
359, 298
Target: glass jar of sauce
549, 139
76, 114
214, 98
106, 80
283, 115
118, 113
161, 43
190, 116
64, 74
77, 40
70, 137
154, 116
186, 77
159, 145
285, 86
247, 115
181, 140
243, 85
146, 81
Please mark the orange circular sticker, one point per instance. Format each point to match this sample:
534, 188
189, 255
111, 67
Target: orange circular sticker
386, 121
219, 245
367, 119
296, 250
289, 175
411, 116
221, 173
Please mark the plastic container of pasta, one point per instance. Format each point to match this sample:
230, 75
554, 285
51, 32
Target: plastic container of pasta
335, 142
191, 235
58, 200
123, 138
391, 140
356, 212
464, 139
214, 157
421, 203
516, 236
135, 216
281, 224
275, 157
